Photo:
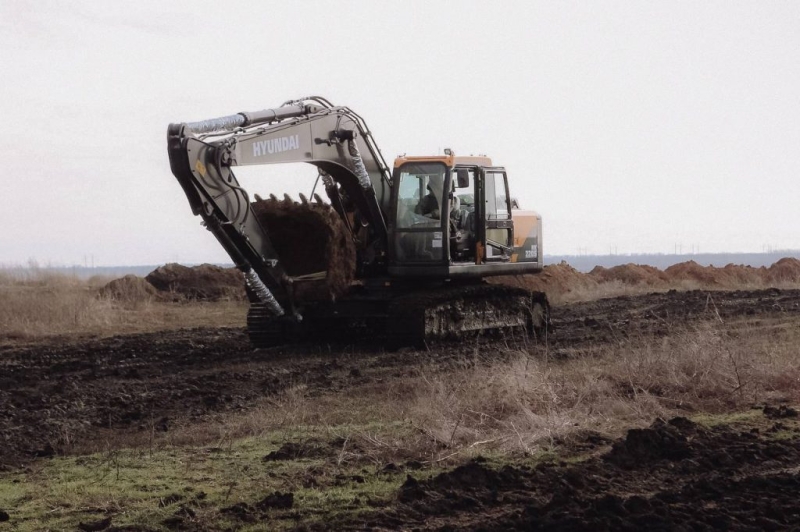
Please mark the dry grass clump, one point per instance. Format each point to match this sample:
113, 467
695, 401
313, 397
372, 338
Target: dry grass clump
510, 400
38, 303
617, 288
530, 401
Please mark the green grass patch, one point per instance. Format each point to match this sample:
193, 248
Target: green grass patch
145, 488
746, 417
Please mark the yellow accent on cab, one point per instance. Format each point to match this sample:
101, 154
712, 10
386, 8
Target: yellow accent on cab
448, 160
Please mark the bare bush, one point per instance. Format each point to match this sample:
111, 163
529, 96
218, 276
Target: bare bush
530, 401
37, 303
30, 311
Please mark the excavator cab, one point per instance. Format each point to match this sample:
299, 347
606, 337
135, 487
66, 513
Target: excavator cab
453, 218
420, 215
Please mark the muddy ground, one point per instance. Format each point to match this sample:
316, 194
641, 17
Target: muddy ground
67, 395
674, 475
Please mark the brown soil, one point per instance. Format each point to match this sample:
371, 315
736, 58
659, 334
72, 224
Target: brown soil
555, 278
673, 475
129, 289
691, 271
205, 282
67, 395
310, 238
783, 271
70, 396
558, 279
631, 274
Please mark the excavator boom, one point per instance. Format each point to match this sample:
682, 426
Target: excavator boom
334, 139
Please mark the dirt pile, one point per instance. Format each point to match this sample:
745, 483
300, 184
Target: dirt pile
129, 289
555, 278
631, 274
691, 271
786, 270
660, 441
737, 275
558, 279
674, 475
205, 282
310, 238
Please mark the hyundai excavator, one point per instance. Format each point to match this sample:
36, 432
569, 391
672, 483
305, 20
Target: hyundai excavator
400, 255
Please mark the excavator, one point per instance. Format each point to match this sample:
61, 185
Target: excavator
400, 255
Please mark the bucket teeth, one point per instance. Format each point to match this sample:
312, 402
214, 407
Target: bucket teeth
257, 197
287, 198
303, 199
318, 199
273, 197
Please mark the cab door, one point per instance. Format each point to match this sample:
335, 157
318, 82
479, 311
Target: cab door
419, 222
496, 228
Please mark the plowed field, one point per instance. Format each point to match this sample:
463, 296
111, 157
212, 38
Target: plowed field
74, 396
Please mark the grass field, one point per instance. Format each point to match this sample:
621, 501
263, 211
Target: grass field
37, 304
346, 426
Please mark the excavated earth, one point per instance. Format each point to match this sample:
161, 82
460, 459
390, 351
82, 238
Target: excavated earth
310, 238
67, 395
674, 475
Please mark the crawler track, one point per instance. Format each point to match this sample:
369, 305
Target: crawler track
411, 318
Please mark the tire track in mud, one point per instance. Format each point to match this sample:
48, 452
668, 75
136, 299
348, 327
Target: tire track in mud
56, 394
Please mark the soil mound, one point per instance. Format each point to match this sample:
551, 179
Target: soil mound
554, 279
559, 279
673, 475
691, 271
786, 270
738, 275
732, 275
476, 474
660, 441
632, 274
129, 289
310, 238
205, 282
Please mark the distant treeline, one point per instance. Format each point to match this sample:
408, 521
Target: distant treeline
585, 263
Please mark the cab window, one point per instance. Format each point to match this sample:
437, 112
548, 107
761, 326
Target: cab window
420, 195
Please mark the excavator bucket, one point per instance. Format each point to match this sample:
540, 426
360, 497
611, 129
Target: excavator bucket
313, 244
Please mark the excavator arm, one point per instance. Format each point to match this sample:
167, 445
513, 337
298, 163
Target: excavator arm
311, 130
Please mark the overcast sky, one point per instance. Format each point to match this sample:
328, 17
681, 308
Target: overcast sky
630, 126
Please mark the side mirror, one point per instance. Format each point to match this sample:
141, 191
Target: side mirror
462, 178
